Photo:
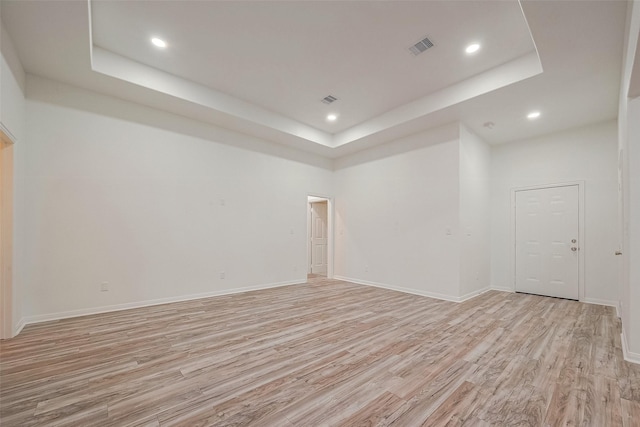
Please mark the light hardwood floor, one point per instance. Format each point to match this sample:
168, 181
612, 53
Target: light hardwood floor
326, 353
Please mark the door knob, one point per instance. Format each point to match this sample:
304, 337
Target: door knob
573, 248
573, 240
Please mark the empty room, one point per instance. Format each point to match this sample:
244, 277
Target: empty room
320, 213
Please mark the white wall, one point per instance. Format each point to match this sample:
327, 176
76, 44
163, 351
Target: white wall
629, 148
154, 204
12, 81
586, 154
12, 117
475, 195
632, 288
394, 204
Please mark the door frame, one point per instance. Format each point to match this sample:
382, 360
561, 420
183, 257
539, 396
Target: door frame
329, 232
512, 231
7, 140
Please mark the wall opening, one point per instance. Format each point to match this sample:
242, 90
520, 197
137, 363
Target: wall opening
319, 237
6, 235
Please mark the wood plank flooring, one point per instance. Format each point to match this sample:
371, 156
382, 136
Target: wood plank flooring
327, 353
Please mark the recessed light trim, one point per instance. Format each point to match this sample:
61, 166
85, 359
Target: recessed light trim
533, 115
158, 42
332, 117
472, 48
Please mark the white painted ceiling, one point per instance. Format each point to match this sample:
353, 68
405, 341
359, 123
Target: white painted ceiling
262, 67
287, 56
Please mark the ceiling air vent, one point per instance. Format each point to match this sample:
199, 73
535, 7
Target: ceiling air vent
329, 99
421, 46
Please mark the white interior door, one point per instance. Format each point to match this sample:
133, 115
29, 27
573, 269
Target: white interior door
319, 238
547, 231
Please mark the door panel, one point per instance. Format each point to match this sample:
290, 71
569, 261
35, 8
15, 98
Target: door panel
319, 238
547, 228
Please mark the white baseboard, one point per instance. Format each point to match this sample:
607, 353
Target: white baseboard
596, 301
6, 131
126, 306
502, 288
629, 356
606, 302
413, 291
21, 324
473, 294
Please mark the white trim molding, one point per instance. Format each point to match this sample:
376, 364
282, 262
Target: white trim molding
502, 288
139, 304
629, 356
21, 324
473, 294
597, 301
435, 295
10, 137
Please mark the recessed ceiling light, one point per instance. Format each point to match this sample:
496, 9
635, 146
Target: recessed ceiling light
472, 48
533, 115
158, 42
332, 117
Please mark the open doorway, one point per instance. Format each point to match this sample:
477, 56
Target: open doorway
319, 226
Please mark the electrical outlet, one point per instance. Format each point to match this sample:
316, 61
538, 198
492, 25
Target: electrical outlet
222, 274
104, 287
